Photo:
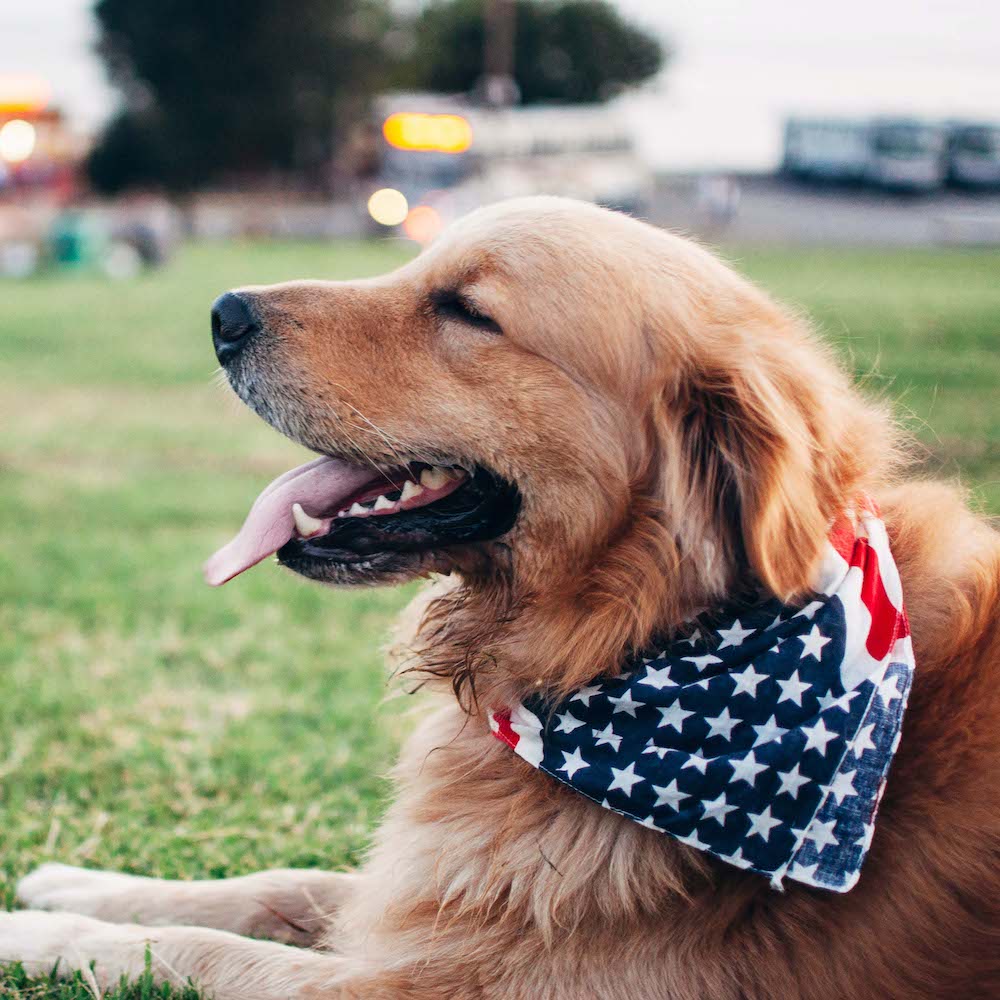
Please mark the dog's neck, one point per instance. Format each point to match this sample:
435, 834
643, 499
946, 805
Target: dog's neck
497, 639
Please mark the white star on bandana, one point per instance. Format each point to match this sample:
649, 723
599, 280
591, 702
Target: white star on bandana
586, 693
768, 731
573, 762
657, 677
747, 768
701, 662
625, 704
568, 722
818, 736
821, 833
674, 716
624, 779
843, 786
813, 643
722, 725
793, 689
670, 795
762, 823
607, 736
791, 781
718, 808
696, 761
888, 690
747, 681
734, 636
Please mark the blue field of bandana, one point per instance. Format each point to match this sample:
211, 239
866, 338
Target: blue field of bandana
740, 740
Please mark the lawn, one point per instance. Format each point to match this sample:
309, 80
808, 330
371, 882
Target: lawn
150, 724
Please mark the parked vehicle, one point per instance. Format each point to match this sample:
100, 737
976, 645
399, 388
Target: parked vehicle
907, 154
899, 154
446, 156
826, 149
974, 154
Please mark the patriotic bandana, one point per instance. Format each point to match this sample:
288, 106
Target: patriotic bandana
763, 736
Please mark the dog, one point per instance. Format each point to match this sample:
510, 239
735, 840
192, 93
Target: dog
586, 430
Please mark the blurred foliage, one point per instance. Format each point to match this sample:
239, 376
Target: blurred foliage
573, 51
215, 89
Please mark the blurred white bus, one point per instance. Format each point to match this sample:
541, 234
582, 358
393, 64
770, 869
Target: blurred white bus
974, 154
901, 154
907, 154
448, 156
826, 149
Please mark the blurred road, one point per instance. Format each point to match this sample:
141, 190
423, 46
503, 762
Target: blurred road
771, 210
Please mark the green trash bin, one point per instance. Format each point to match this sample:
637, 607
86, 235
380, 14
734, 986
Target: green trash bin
74, 242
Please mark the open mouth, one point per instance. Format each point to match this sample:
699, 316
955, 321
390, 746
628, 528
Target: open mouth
342, 522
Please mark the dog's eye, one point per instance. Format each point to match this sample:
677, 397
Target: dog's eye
451, 305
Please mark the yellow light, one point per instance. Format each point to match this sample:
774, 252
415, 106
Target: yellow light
428, 133
23, 93
423, 223
17, 140
388, 207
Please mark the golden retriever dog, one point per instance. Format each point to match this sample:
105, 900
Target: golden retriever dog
587, 430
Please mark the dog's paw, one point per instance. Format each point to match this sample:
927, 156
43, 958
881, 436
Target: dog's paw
63, 887
44, 941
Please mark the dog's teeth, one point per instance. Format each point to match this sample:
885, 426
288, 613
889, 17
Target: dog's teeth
306, 524
434, 478
383, 504
357, 509
410, 490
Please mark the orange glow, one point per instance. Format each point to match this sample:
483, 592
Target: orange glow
23, 93
428, 133
423, 223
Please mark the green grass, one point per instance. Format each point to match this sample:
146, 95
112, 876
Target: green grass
921, 327
150, 724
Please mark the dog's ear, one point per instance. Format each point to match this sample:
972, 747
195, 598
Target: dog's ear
761, 453
741, 419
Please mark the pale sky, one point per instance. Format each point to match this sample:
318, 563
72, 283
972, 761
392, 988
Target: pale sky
739, 67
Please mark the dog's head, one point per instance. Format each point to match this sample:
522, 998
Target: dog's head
598, 418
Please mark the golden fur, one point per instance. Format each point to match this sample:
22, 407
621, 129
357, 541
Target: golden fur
674, 432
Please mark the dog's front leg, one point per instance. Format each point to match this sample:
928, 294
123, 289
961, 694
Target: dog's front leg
293, 906
224, 966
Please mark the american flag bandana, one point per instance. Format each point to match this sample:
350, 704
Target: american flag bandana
762, 735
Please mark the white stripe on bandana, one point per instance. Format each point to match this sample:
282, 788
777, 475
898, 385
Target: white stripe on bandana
763, 735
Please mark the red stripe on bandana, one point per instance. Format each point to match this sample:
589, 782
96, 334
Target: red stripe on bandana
503, 730
888, 623
842, 537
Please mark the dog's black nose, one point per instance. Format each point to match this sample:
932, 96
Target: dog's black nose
233, 326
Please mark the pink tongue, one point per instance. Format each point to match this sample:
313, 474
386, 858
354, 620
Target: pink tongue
318, 485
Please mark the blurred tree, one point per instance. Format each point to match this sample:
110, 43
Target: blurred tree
565, 50
221, 88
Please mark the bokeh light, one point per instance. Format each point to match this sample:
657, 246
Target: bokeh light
428, 133
388, 207
23, 93
17, 140
423, 223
